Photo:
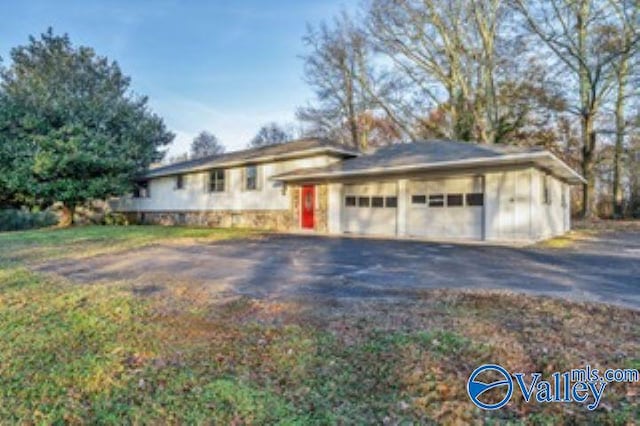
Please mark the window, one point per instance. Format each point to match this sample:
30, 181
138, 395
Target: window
251, 178
436, 200
391, 202
377, 201
216, 181
418, 199
546, 191
475, 199
142, 190
454, 200
350, 201
179, 182
363, 201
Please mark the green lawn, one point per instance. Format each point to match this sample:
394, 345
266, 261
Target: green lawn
73, 353
84, 241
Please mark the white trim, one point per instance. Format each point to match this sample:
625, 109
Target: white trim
566, 167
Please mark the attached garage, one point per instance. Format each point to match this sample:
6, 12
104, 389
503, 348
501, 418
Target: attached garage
446, 190
441, 208
371, 208
446, 208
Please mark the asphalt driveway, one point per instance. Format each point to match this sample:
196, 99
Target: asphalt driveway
604, 269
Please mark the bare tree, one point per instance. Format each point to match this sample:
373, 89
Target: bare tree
331, 67
270, 134
575, 32
460, 59
349, 91
634, 168
204, 144
627, 77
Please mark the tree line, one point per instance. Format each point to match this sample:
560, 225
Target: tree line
206, 143
562, 74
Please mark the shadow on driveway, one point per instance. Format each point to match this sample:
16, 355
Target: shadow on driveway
279, 266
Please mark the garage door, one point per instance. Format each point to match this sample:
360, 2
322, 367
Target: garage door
370, 209
447, 208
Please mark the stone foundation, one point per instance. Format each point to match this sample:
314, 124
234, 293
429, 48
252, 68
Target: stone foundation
277, 220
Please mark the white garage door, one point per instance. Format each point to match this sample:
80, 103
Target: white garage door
370, 209
447, 208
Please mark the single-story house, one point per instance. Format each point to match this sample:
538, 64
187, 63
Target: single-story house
436, 189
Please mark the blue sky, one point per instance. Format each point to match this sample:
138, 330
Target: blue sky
223, 66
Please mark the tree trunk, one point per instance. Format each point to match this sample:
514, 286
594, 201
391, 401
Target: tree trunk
617, 164
588, 172
587, 108
620, 132
68, 213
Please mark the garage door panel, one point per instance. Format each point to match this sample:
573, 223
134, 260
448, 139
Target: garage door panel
369, 219
448, 221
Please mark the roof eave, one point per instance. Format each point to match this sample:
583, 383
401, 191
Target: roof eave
263, 159
569, 174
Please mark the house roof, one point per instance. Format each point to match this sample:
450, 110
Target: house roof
435, 155
288, 150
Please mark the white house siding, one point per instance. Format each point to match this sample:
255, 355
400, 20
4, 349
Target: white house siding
552, 218
334, 213
567, 206
508, 210
515, 207
196, 196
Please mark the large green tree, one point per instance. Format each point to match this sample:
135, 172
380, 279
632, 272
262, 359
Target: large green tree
71, 129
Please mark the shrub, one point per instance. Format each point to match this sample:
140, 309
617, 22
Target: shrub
117, 219
18, 220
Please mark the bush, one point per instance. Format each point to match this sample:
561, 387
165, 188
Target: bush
117, 219
18, 220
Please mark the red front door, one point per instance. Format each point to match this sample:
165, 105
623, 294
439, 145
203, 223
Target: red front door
307, 206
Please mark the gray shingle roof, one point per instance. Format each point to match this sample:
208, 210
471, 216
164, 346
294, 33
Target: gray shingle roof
287, 149
420, 152
435, 155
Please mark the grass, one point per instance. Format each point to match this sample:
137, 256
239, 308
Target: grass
87, 241
587, 230
101, 354
568, 240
